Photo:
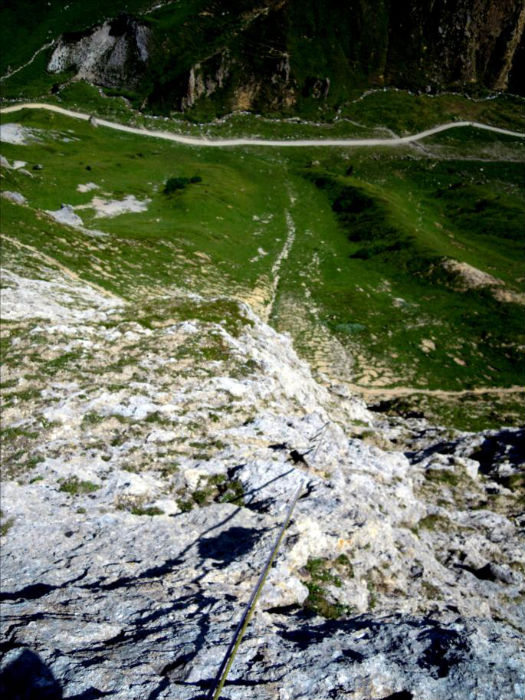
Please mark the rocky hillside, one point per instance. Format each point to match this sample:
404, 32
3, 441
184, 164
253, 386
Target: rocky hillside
207, 57
151, 452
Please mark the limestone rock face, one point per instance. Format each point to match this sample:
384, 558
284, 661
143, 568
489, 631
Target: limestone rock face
147, 474
113, 54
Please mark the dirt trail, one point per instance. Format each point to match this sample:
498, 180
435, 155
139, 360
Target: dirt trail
277, 143
394, 392
276, 267
28, 63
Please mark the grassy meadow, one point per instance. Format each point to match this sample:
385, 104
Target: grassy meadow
362, 287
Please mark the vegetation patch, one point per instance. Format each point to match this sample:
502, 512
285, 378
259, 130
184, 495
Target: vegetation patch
175, 184
323, 572
5, 526
224, 312
432, 522
217, 488
148, 510
75, 486
442, 476
92, 418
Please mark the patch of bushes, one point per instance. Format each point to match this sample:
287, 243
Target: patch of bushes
223, 311
213, 489
174, 184
432, 522
135, 506
185, 505
92, 418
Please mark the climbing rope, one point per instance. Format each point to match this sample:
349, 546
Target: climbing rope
222, 675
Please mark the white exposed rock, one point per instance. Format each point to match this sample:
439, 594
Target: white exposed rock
427, 345
509, 296
15, 197
231, 386
17, 134
282, 588
87, 187
130, 484
142, 37
104, 55
137, 407
136, 426
82, 467
470, 276
160, 436
114, 207
66, 215
193, 478
90, 633
85, 53
61, 300
261, 253
167, 505
267, 482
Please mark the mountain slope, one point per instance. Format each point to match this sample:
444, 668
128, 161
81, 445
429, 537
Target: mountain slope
152, 444
367, 259
210, 57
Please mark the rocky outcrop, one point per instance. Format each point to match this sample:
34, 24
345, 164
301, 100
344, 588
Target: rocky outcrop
214, 75
148, 465
205, 79
136, 607
471, 41
114, 54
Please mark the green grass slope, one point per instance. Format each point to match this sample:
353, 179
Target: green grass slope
344, 249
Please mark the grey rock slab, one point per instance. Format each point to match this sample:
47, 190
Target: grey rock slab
100, 600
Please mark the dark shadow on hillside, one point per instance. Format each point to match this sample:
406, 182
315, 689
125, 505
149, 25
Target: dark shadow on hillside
229, 545
27, 677
438, 648
507, 445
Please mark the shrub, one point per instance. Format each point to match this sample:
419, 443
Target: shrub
173, 184
74, 486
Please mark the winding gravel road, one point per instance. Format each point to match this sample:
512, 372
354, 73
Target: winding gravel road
279, 143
